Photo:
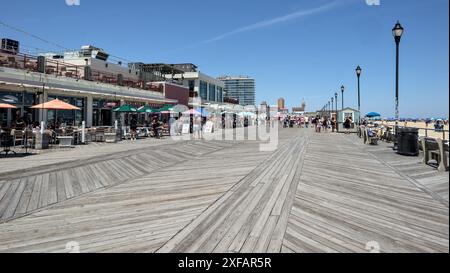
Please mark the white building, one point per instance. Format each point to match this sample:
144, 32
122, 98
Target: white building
210, 90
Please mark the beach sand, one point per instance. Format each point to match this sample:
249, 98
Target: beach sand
422, 126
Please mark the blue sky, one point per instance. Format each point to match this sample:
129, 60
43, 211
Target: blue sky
303, 49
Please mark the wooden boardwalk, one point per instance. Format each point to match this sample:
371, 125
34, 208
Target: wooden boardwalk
315, 193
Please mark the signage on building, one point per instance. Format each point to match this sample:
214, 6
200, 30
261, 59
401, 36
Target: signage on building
111, 104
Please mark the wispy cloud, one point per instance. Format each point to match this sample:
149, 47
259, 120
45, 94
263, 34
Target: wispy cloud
278, 20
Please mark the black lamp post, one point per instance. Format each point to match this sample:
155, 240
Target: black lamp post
336, 101
342, 90
397, 32
358, 74
329, 110
332, 105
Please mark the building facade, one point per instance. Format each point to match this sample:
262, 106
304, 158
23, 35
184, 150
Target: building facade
200, 85
240, 88
84, 79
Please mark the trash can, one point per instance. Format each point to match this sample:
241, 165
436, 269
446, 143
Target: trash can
408, 141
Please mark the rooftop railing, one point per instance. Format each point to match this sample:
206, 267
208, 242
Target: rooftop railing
59, 68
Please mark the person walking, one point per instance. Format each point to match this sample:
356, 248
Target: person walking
347, 125
133, 128
319, 125
333, 125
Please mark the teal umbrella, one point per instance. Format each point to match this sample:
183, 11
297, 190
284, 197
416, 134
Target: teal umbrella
125, 109
166, 108
146, 109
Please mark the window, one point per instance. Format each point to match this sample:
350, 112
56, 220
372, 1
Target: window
219, 94
191, 85
203, 90
212, 92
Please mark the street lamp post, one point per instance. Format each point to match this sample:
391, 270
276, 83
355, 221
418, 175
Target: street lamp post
332, 105
329, 110
397, 32
342, 90
358, 74
333, 125
336, 101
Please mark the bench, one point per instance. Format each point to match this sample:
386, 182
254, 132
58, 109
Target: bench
437, 150
371, 140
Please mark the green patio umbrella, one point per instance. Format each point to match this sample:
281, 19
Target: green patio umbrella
146, 109
166, 108
125, 109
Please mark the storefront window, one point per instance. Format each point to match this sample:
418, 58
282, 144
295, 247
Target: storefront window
203, 90
102, 112
23, 101
212, 92
67, 117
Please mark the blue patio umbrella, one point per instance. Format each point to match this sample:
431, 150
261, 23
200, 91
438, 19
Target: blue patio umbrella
373, 115
203, 112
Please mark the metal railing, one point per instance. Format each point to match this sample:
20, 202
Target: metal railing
425, 132
62, 69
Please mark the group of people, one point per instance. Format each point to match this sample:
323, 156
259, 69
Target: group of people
324, 124
154, 123
291, 121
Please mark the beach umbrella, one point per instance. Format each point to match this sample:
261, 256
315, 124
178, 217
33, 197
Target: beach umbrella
125, 109
7, 106
373, 115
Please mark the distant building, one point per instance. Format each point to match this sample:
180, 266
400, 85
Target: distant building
240, 88
281, 103
300, 109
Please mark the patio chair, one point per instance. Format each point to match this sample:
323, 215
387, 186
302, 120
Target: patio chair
100, 134
18, 137
126, 134
28, 139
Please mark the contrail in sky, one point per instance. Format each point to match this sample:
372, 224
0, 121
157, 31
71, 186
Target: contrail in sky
278, 20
